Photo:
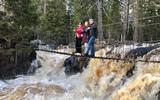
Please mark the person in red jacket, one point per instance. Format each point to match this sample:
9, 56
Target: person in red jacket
79, 31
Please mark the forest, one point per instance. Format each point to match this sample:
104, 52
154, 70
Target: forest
52, 22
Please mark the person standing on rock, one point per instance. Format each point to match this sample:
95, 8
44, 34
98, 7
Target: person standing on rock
89, 50
79, 31
86, 33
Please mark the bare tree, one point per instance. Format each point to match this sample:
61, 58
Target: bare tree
125, 21
100, 19
69, 13
44, 6
136, 23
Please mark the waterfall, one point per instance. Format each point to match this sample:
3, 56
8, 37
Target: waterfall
101, 80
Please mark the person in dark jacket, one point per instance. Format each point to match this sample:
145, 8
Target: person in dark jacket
86, 33
79, 34
93, 35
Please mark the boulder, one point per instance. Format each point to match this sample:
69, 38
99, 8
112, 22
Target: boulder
139, 52
9, 69
75, 64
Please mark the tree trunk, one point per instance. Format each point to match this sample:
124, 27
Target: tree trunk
69, 11
16, 57
109, 37
136, 22
100, 19
44, 6
125, 21
68, 35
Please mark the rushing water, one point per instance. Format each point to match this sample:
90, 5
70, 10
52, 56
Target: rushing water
101, 80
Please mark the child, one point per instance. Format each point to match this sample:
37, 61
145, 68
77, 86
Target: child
79, 31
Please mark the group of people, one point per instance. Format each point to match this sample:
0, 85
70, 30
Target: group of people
86, 34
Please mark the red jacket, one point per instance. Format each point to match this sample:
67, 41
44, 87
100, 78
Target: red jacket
79, 31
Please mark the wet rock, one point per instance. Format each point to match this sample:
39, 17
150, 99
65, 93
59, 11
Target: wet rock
152, 54
130, 72
158, 95
10, 65
75, 64
139, 52
34, 65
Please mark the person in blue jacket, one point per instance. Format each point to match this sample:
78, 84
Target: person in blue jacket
89, 50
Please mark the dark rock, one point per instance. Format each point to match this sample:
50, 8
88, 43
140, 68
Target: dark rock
10, 67
130, 72
158, 95
75, 64
34, 65
139, 52
7, 68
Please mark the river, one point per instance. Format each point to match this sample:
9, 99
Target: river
101, 80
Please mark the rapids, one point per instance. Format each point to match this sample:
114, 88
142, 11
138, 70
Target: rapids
101, 80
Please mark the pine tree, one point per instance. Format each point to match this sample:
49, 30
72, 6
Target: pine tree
146, 19
22, 19
114, 16
54, 22
19, 20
